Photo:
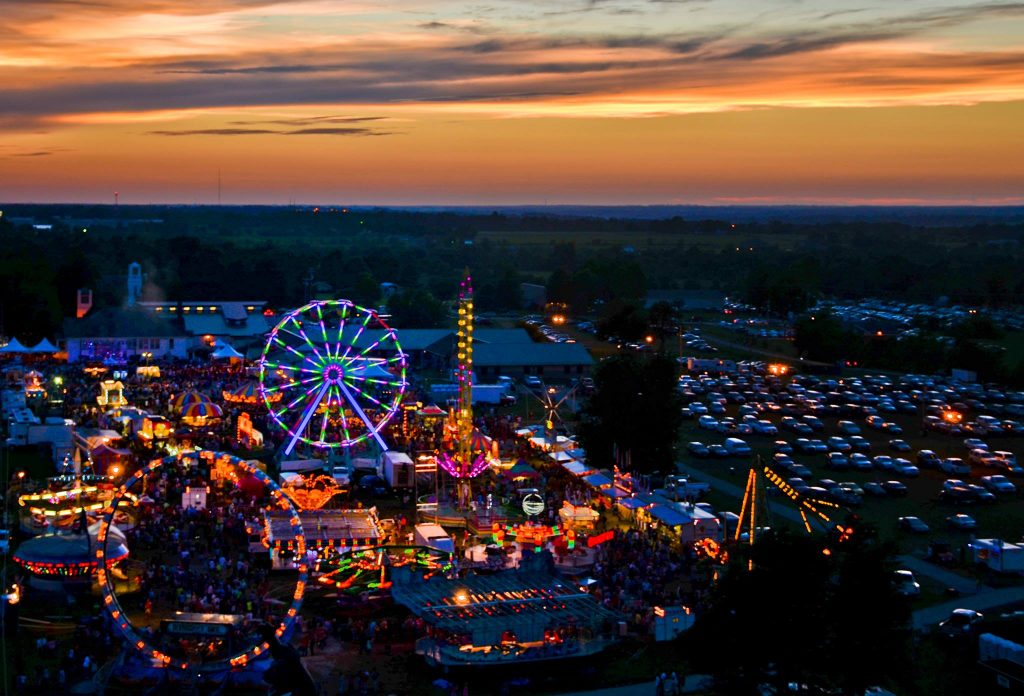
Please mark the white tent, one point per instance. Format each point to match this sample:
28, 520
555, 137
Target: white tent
44, 346
365, 370
14, 347
225, 351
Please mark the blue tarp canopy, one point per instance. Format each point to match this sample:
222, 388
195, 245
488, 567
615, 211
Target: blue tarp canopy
597, 480
576, 468
666, 515
631, 503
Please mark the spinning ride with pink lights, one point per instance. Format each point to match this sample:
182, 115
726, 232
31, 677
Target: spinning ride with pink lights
468, 459
332, 375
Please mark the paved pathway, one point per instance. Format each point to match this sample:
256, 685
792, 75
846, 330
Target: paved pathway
946, 578
695, 683
924, 619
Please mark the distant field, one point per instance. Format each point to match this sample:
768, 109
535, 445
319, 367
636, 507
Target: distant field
639, 239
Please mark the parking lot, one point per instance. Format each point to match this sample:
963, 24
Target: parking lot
825, 419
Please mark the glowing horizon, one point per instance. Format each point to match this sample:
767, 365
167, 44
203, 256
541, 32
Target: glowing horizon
517, 102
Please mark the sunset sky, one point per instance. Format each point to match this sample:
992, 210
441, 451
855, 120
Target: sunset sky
512, 101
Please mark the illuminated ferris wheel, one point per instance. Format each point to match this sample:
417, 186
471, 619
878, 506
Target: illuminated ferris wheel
332, 374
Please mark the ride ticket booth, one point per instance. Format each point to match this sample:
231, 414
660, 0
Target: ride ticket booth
203, 637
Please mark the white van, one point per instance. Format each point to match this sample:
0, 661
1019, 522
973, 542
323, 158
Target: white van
737, 447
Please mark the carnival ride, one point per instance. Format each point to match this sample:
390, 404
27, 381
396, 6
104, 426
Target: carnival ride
339, 372
368, 569
814, 511
468, 456
142, 642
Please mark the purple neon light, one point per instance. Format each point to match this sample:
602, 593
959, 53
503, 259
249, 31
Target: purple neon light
313, 389
454, 467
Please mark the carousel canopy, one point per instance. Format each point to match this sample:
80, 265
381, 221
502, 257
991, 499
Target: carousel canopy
204, 409
432, 410
44, 346
69, 549
185, 399
14, 346
522, 470
248, 393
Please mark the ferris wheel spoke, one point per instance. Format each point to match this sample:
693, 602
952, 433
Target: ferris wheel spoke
374, 380
362, 414
323, 424
336, 393
323, 329
300, 397
304, 337
296, 383
303, 421
284, 344
341, 329
355, 339
365, 395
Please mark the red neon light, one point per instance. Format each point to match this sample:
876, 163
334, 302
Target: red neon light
601, 538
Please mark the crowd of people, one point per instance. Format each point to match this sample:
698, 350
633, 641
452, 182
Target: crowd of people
198, 560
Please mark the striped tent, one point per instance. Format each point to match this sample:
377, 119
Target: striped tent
200, 414
185, 399
248, 393
202, 410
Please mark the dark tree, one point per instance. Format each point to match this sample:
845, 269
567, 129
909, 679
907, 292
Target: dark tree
416, 309
636, 408
809, 610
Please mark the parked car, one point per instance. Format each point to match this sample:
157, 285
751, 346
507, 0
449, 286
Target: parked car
895, 488
698, 449
997, 483
874, 488
910, 523
897, 445
975, 443
906, 584
707, 422
847, 427
955, 466
838, 461
799, 470
903, 467
782, 446
861, 462
961, 521
961, 622
928, 459
838, 444
718, 451
859, 443
883, 462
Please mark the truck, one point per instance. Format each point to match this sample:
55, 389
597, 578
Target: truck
398, 469
434, 536
711, 365
998, 555
679, 487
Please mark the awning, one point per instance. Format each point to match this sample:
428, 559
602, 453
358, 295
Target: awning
14, 346
597, 480
667, 515
577, 468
